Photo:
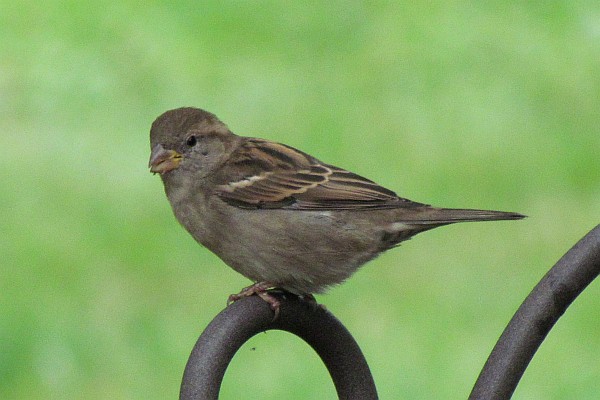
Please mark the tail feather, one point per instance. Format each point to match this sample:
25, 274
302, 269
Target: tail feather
420, 219
433, 215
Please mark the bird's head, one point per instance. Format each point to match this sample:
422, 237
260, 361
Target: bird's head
188, 139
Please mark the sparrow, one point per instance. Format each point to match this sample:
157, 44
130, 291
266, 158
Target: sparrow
277, 215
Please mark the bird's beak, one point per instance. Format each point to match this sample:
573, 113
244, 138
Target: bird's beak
162, 161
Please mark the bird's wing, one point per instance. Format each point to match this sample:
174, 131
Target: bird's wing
262, 174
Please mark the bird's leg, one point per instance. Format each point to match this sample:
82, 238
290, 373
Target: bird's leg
261, 289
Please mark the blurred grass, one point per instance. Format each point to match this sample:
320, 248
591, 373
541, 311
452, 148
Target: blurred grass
489, 105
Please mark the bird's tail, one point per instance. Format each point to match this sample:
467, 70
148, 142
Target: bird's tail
435, 216
413, 221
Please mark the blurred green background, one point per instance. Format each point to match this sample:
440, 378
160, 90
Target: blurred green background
459, 104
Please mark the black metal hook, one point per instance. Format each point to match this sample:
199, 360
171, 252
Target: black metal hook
249, 316
536, 316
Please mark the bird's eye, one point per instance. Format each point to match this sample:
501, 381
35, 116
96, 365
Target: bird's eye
191, 141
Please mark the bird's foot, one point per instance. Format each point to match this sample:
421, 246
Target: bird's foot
261, 289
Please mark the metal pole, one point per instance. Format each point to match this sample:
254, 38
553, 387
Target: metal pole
246, 317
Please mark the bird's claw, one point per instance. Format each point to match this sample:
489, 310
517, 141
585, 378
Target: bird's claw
261, 289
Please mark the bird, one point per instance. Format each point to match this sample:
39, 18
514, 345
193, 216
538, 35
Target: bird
277, 215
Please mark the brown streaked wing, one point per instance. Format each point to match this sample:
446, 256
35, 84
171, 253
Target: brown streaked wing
345, 190
262, 172
279, 176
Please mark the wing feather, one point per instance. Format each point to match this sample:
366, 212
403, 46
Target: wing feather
262, 174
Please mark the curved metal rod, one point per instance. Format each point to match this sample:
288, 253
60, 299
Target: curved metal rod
536, 316
246, 317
